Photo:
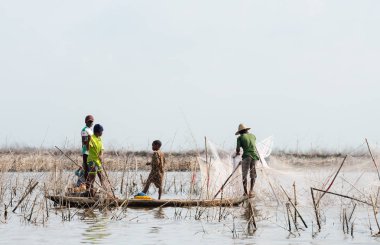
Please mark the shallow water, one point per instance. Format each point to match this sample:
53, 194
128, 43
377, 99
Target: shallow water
182, 225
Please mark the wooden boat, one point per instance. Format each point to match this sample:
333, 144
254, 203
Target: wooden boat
87, 202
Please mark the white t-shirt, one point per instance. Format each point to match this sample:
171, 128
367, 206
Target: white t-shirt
86, 132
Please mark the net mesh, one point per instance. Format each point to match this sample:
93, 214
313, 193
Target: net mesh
219, 165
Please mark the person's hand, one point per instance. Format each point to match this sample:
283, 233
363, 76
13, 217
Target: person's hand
236, 154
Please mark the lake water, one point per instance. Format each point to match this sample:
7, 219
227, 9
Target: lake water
186, 226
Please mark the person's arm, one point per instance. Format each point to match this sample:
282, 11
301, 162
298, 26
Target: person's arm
160, 161
101, 156
86, 137
150, 163
88, 142
238, 147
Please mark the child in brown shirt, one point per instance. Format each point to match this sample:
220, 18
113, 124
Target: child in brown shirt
156, 175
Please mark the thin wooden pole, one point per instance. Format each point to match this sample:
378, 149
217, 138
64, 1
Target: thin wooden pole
295, 201
340, 195
373, 159
109, 182
207, 169
332, 182
290, 200
229, 177
287, 211
315, 210
68, 157
25, 195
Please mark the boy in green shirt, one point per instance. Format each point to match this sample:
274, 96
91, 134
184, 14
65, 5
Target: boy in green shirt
94, 160
247, 141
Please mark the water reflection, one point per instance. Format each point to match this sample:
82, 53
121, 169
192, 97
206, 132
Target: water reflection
250, 215
98, 229
155, 229
159, 213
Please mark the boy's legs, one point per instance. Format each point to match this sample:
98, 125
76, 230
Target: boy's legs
158, 185
90, 183
147, 185
92, 172
159, 192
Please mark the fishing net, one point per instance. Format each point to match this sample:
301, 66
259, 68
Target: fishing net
219, 166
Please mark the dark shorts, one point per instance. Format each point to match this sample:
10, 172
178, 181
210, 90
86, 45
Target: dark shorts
93, 168
248, 165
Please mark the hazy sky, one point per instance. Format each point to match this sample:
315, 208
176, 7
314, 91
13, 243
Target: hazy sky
178, 70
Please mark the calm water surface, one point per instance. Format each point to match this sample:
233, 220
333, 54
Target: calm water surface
180, 225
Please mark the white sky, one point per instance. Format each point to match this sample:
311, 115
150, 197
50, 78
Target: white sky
306, 69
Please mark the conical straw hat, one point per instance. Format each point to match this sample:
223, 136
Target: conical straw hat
241, 127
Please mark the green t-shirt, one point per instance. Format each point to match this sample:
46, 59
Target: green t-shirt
96, 146
248, 143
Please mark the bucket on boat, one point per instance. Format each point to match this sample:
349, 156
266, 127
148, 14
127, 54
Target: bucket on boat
142, 196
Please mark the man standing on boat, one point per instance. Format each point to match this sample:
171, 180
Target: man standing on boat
247, 141
86, 134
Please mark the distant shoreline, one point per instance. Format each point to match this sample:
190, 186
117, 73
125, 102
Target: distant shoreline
35, 160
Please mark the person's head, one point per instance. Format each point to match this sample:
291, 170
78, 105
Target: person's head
98, 130
89, 120
242, 129
156, 145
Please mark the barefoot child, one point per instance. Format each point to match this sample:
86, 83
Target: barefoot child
156, 175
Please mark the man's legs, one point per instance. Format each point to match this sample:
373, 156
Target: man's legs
252, 172
244, 171
84, 166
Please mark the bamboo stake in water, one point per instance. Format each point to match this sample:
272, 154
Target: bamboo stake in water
68, 157
290, 200
373, 159
340, 195
25, 195
287, 211
109, 182
208, 169
229, 177
295, 201
332, 182
315, 210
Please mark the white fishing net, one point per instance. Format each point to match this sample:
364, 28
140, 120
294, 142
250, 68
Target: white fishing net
220, 165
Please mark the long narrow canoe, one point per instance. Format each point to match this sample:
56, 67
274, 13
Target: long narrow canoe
86, 202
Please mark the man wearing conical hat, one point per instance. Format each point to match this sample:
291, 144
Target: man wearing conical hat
247, 141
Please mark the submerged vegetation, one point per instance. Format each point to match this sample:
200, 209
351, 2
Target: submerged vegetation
299, 195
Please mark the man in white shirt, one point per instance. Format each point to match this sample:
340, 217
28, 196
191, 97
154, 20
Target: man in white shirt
86, 134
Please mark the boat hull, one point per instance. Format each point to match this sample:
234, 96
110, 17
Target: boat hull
86, 202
